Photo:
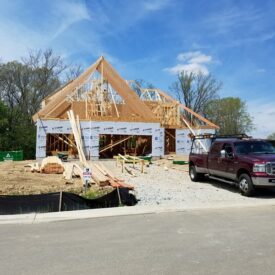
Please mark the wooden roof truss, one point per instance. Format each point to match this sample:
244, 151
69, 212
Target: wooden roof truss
100, 93
172, 113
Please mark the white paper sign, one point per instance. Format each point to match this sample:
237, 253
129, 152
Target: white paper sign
87, 174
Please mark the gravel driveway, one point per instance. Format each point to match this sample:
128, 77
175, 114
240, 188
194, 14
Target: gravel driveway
165, 186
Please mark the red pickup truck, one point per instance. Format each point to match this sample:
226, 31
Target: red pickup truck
245, 162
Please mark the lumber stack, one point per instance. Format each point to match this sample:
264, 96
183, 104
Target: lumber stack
52, 168
52, 165
100, 175
75, 124
103, 177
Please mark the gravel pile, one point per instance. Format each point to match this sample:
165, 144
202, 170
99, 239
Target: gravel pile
168, 187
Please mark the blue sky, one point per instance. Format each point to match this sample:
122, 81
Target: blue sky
152, 40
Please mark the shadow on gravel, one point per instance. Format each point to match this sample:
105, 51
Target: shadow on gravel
261, 193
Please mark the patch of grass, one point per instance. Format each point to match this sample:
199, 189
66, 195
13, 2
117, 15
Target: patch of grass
95, 193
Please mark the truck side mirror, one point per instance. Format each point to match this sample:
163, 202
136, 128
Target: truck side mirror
222, 153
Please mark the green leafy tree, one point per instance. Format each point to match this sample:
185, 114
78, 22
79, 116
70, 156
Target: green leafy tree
271, 136
195, 91
23, 85
230, 114
4, 122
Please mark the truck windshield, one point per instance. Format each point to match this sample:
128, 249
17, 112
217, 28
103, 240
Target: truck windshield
254, 147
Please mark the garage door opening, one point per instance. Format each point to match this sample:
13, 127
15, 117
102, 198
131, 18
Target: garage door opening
112, 145
60, 143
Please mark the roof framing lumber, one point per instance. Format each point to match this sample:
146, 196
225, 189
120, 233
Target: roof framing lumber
60, 97
119, 103
188, 109
124, 90
57, 104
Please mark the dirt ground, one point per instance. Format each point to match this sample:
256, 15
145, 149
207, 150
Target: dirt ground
161, 184
16, 179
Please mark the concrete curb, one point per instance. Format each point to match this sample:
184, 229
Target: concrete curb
34, 218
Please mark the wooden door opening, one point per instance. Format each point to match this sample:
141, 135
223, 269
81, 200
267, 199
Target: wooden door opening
60, 143
170, 141
112, 145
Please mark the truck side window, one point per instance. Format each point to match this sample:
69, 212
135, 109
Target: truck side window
216, 149
228, 149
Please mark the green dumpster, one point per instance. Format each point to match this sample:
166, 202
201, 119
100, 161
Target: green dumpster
11, 155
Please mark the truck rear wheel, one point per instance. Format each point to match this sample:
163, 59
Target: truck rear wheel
246, 186
194, 175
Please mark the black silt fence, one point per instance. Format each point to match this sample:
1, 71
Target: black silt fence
54, 202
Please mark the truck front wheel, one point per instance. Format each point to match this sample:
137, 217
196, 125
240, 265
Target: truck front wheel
194, 175
246, 186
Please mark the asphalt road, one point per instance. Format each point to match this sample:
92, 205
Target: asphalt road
228, 241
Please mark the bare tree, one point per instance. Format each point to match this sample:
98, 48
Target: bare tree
52, 64
195, 91
73, 72
139, 84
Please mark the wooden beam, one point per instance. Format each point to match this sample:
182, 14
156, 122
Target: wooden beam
115, 144
132, 100
50, 109
170, 134
188, 110
193, 132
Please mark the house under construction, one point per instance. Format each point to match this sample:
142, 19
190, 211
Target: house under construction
115, 118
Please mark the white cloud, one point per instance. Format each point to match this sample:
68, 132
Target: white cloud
191, 62
18, 36
231, 18
194, 57
264, 117
69, 13
155, 5
16, 40
190, 68
261, 70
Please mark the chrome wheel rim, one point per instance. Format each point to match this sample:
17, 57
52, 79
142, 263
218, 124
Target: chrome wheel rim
244, 185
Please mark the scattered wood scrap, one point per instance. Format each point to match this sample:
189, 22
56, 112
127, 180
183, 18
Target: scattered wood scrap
99, 171
100, 175
72, 170
130, 159
34, 167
